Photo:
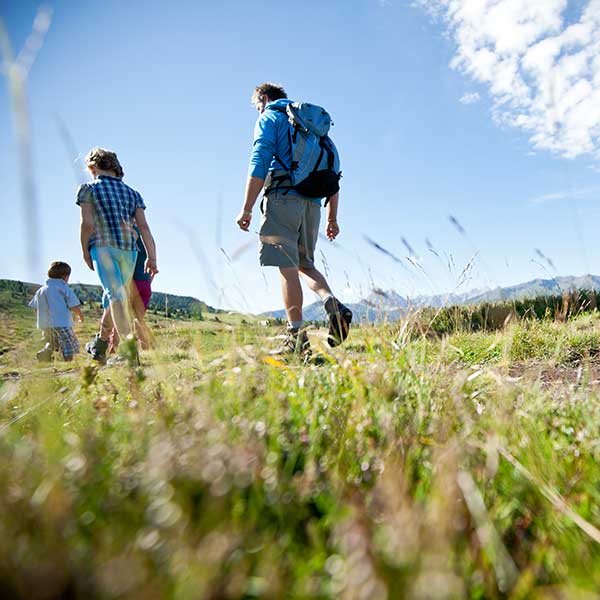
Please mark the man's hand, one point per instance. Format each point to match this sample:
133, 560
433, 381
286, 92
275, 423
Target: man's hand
253, 187
88, 259
244, 219
150, 267
332, 230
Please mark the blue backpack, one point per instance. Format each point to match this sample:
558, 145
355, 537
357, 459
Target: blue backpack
315, 169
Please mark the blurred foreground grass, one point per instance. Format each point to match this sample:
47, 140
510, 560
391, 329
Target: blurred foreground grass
405, 466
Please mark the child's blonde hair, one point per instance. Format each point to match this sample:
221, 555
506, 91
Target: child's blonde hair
106, 160
58, 270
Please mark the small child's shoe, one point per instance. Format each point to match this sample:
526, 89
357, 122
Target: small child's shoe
45, 354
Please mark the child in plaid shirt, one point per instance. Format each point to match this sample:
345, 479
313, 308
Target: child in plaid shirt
110, 210
55, 302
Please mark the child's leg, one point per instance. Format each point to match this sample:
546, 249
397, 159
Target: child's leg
113, 341
47, 338
140, 297
45, 354
115, 269
106, 324
67, 341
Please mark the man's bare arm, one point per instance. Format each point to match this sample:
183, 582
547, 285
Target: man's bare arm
332, 208
253, 189
87, 228
140, 219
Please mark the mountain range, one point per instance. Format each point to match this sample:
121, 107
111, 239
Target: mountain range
379, 305
389, 305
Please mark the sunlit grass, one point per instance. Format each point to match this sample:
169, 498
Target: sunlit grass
216, 471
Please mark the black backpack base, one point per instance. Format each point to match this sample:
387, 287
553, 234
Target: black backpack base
319, 184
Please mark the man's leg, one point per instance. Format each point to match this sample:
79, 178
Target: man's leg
292, 294
316, 282
282, 217
340, 316
296, 341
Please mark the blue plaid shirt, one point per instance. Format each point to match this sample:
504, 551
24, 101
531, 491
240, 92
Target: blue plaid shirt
115, 204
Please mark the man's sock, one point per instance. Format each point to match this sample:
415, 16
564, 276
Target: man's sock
295, 324
327, 298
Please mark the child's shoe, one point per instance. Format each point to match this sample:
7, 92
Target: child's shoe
97, 348
128, 353
45, 354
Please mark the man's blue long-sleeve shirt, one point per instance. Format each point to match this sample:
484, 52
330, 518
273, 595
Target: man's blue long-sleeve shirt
271, 137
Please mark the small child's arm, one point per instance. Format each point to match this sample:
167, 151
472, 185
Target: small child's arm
76, 310
33, 303
74, 304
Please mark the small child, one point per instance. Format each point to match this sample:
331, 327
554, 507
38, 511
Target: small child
55, 302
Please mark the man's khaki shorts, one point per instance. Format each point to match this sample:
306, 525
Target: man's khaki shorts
288, 230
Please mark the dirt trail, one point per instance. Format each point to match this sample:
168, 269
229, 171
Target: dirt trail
587, 373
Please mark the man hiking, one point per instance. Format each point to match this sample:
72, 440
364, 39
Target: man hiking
291, 209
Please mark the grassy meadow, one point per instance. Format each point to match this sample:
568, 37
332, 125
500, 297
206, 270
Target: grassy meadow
408, 465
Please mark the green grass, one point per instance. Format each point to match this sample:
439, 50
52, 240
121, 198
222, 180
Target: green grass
405, 466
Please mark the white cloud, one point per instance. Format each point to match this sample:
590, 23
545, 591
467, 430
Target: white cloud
470, 98
565, 195
542, 71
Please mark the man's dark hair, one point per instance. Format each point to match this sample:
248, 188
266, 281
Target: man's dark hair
272, 90
58, 270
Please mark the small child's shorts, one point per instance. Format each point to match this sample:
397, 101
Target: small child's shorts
62, 339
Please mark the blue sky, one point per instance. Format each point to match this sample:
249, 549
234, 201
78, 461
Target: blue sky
487, 110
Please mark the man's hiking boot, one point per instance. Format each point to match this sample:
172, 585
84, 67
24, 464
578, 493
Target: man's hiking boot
295, 343
340, 317
97, 348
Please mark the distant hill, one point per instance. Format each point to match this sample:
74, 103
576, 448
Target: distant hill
389, 305
380, 305
176, 306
